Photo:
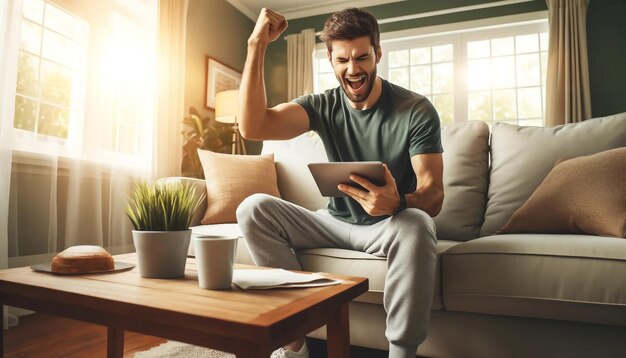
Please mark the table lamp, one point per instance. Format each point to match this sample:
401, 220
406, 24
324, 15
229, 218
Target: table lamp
226, 107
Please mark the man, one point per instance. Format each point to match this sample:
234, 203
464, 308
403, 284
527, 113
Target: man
366, 118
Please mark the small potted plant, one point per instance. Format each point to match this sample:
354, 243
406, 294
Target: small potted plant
161, 214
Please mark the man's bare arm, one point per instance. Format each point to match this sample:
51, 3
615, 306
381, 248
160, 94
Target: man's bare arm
429, 193
256, 121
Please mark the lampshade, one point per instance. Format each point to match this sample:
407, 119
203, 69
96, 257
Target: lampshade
226, 106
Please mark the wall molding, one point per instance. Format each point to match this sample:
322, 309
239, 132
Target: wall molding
450, 11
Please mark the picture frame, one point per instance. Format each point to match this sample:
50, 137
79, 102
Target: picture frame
219, 77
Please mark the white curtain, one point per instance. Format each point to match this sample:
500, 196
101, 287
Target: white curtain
171, 107
568, 94
300, 48
8, 65
70, 176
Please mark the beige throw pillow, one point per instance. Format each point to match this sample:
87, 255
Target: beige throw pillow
581, 195
232, 178
521, 157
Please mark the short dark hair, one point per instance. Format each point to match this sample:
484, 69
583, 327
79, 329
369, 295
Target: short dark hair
349, 24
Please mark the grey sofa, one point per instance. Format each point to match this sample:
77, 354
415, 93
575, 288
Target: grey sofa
515, 295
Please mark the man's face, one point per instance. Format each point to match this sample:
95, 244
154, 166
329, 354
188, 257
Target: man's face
354, 62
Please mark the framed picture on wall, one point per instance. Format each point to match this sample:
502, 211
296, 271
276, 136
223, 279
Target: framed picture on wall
219, 77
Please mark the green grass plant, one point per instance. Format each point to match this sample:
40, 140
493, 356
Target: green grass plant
162, 206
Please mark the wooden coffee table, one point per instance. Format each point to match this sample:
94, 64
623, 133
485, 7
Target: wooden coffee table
249, 323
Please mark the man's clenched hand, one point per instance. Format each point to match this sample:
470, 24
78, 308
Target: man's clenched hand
376, 200
268, 27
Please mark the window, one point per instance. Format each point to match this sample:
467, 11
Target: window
51, 71
492, 75
427, 70
85, 82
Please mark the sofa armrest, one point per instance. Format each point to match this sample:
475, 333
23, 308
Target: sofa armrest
200, 187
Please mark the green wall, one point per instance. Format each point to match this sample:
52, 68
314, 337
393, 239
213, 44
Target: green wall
276, 60
218, 30
606, 42
606, 31
215, 29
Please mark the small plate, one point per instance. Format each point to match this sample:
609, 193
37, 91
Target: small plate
119, 266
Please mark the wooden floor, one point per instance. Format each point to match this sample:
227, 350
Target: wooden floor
43, 336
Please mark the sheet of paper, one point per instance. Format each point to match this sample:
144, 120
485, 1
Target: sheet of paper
278, 278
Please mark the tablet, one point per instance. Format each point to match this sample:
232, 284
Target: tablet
329, 175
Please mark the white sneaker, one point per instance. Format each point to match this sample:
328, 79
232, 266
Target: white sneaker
286, 353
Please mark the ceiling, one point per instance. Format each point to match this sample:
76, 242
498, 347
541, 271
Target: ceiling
293, 9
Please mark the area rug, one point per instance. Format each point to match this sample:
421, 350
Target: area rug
173, 349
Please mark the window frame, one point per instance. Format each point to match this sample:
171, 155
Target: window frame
457, 34
32, 141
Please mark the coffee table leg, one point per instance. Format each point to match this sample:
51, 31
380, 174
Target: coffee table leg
338, 334
115, 343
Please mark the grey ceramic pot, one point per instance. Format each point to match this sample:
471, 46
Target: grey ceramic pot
161, 254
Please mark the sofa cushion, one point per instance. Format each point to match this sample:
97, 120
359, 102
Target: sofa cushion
356, 263
566, 277
521, 157
295, 182
580, 195
465, 179
232, 178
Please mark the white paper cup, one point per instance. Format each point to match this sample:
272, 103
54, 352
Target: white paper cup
215, 257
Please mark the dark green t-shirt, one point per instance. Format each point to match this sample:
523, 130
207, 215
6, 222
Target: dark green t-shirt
400, 125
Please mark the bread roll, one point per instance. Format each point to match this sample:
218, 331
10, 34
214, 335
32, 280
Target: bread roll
82, 258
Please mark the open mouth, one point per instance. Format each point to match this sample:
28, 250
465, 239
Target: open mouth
356, 83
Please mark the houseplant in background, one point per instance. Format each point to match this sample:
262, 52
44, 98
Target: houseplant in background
161, 214
202, 133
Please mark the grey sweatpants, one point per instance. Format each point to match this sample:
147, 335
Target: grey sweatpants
272, 227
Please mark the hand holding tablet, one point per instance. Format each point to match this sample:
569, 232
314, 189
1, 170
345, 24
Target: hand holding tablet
329, 175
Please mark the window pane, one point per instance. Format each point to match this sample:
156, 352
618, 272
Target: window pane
444, 104
33, 10
25, 113
56, 84
529, 102
503, 72
443, 78
479, 106
478, 73
399, 58
543, 39
324, 65
478, 49
527, 43
502, 46
544, 67
126, 139
442, 53
327, 81
60, 21
60, 49
28, 75
530, 122
420, 56
420, 79
528, 70
400, 77
30, 38
53, 121
504, 105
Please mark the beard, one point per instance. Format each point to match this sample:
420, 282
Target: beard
364, 90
